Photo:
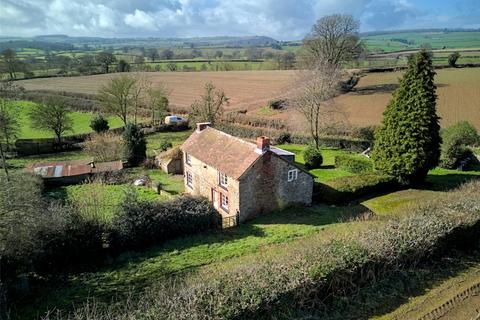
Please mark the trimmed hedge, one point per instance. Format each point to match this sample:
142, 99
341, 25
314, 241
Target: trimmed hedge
353, 163
340, 142
139, 224
345, 189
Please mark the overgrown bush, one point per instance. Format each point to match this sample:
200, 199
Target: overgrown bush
278, 104
353, 163
99, 124
40, 237
345, 189
456, 140
139, 224
313, 157
105, 147
284, 137
165, 145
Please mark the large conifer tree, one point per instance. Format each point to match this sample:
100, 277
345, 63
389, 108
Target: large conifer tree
407, 145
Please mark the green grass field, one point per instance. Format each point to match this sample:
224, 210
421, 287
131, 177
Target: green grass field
437, 40
81, 122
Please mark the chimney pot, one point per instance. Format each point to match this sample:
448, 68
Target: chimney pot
202, 125
263, 143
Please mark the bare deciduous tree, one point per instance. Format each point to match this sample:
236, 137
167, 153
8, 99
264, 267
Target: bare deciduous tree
315, 88
9, 129
157, 100
210, 107
333, 39
52, 115
105, 146
117, 96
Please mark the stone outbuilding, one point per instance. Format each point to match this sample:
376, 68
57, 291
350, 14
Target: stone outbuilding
243, 179
170, 161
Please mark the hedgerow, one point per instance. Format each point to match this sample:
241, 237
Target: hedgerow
353, 163
304, 279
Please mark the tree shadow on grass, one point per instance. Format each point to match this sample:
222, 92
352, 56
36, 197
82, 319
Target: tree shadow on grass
448, 181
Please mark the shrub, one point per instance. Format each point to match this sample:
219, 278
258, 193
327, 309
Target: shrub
353, 163
284, 137
135, 144
454, 145
42, 238
165, 145
277, 104
99, 124
105, 147
313, 157
407, 145
139, 224
452, 59
345, 189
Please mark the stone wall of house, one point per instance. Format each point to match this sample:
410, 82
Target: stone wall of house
205, 178
265, 187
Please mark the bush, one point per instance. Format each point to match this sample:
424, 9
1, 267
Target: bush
165, 145
452, 59
313, 157
105, 147
99, 124
135, 144
42, 238
454, 145
353, 163
345, 189
284, 137
277, 104
139, 224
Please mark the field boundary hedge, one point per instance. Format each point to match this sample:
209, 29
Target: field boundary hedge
353, 163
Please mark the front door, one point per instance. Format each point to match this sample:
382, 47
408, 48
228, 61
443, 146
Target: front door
215, 198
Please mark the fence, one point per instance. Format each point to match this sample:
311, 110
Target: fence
230, 221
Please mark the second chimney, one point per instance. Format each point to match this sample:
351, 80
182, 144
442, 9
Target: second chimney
202, 125
263, 143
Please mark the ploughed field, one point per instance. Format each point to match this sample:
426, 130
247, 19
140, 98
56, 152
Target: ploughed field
246, 89
458, 93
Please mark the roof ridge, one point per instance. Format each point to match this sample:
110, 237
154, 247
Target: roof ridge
234, 137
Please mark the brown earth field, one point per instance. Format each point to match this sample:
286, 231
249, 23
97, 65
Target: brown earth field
246, 89
458, 93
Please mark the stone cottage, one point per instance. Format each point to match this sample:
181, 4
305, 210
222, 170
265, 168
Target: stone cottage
242, 179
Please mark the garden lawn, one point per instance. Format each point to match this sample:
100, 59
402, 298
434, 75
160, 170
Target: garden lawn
81, 122
327, 171
176, 138
22, 162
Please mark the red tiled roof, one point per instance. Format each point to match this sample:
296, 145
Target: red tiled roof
224, 152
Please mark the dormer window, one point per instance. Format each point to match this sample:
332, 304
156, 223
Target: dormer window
292, 175
188, 159
223, 179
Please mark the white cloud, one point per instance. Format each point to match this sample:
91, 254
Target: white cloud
140, 20
281, 19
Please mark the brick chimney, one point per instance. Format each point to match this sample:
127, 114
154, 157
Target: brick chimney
263, 143
202, 125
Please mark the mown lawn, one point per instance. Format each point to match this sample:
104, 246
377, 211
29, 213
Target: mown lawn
327, 171
176, 138
81, 121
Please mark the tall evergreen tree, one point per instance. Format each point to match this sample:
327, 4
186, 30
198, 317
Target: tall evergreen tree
135, 144
407, 145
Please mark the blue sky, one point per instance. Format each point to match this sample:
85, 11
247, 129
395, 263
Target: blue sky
280, 19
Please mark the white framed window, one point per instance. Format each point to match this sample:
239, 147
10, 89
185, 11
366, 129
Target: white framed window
190, 180
224, 201
292, 174
223, 179
188, 159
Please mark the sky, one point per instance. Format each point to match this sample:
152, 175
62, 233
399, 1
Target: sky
280, 19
